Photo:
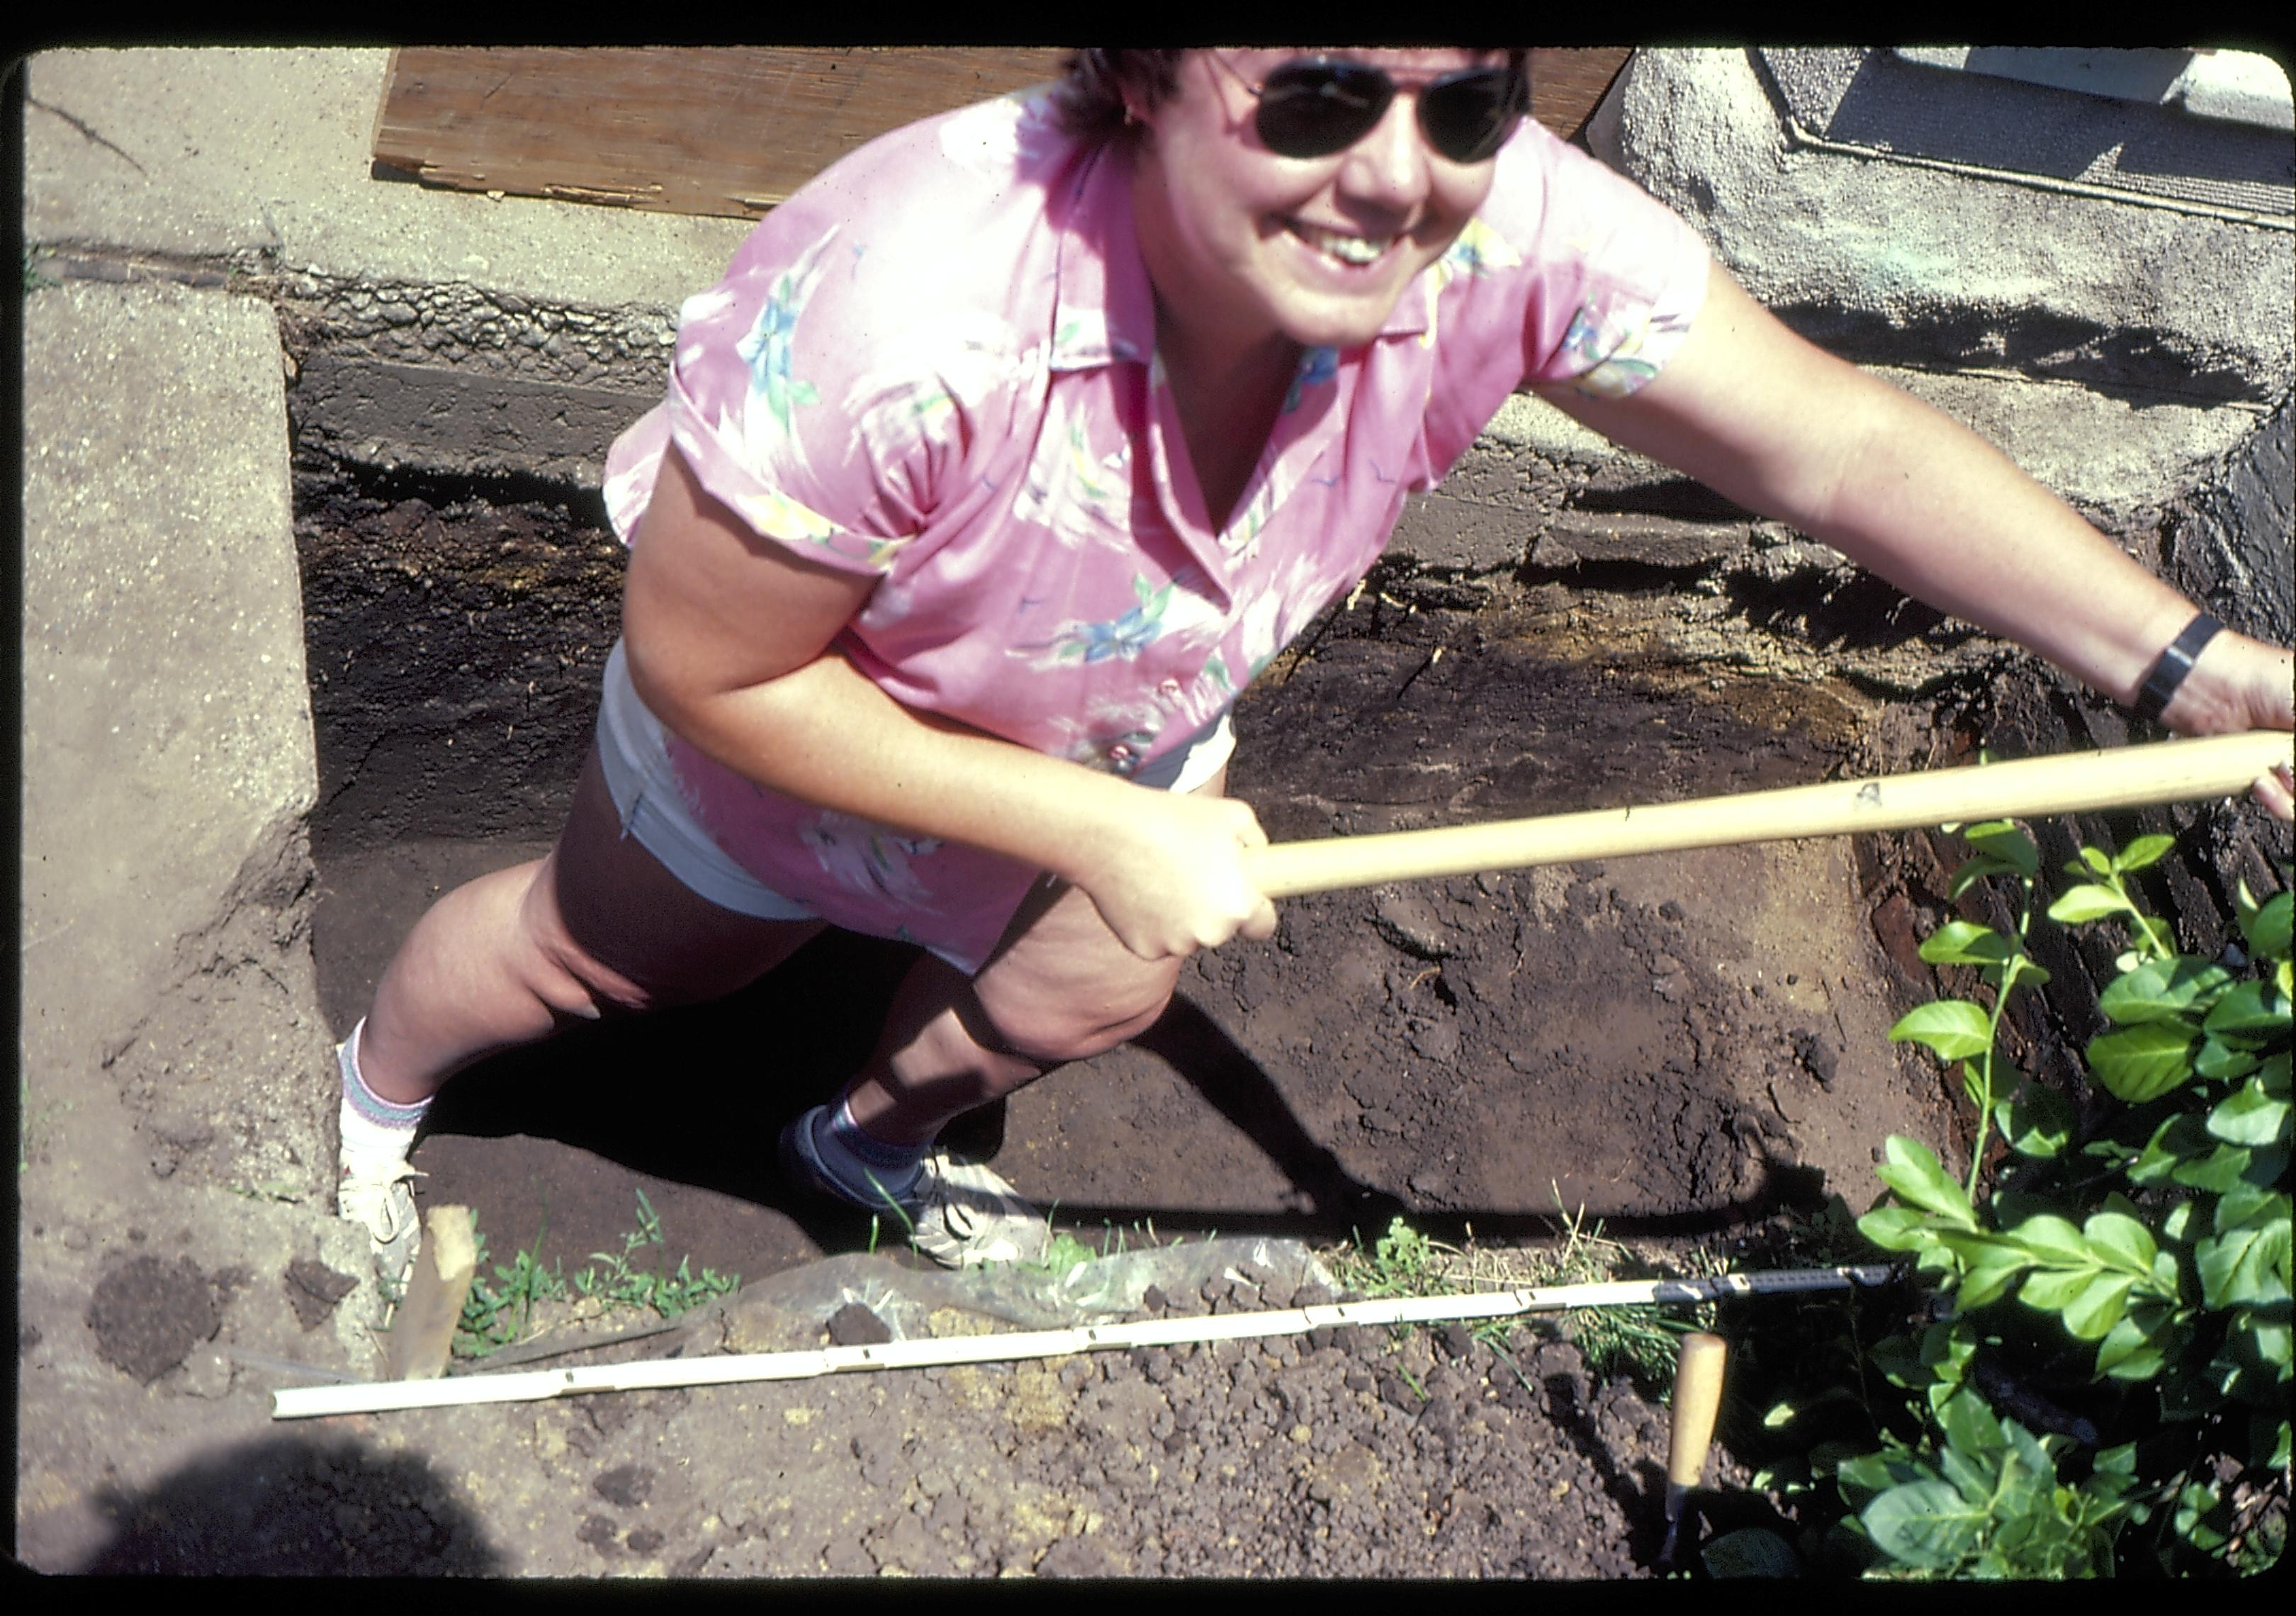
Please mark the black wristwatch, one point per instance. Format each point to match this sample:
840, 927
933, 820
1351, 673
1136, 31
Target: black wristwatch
2167, 674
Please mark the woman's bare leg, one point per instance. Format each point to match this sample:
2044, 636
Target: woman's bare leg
510, 959
1060, 988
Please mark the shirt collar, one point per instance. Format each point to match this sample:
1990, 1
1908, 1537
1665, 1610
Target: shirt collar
1103, 307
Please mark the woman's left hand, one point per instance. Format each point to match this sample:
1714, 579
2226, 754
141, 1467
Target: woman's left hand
2240, 683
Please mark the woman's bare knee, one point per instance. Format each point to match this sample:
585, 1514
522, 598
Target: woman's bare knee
1052, 1030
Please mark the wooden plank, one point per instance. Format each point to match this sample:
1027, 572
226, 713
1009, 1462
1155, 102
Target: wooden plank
1566, 86
725, 132
730, 132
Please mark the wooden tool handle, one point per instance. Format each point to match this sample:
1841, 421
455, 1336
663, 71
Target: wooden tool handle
1697, 1395
2166, 771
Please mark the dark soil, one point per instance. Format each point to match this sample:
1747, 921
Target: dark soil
1680, 1048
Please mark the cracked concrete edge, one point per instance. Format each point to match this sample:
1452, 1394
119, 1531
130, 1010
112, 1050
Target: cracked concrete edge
169, 759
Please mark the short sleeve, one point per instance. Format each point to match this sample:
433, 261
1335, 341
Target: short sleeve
1570, 273
1621, 277
761, 401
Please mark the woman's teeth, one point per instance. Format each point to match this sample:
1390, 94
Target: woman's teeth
1346, 249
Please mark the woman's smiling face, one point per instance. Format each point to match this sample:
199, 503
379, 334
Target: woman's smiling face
1242, 243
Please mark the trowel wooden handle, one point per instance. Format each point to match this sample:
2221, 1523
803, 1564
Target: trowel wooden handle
2165, 771
1697, 1395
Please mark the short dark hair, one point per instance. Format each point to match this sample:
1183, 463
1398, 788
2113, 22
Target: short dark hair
1091, 93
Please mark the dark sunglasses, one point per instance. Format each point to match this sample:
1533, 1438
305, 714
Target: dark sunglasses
1312, 108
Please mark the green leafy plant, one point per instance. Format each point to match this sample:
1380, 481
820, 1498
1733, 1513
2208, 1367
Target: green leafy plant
499, 1310
1638, 1340
611, 1277
2136, 1263
496, 1312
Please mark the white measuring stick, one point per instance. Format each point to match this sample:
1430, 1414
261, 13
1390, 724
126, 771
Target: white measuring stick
304, 1402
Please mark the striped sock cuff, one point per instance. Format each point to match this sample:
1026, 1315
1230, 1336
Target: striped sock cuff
362, 1100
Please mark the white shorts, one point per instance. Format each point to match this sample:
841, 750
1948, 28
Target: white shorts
635, 760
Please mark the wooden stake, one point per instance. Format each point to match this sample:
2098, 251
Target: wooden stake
2168, 771
423, 1331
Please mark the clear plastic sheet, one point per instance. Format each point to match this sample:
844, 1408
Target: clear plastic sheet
1259, 1272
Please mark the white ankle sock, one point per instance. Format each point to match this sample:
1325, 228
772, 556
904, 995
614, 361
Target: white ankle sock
369, 1121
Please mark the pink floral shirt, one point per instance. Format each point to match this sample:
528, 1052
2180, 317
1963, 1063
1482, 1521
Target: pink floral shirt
935, 364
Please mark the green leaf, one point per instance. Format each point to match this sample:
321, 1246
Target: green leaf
1957, 942
1926, 1524
2249, 1203
1974, 870
2131, 1350
2222, 1062
2250, 1116
2098, 1308
2052, 1238
2177, 1141
2093, 859
2050, 1289
2221, 1169
1999, 839
1896, 1228
2252, 1013
2250, 1265
2143, 851
1912, 1168
2037, 1121
2161, 989
2143, 1062
1992, 1267
2086, 903
2126, 1243
1970, 1424
2274, 1075
1873, 1473
2266, 930
1952, 1028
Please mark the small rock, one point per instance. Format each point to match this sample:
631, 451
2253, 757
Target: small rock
645, 1540
1455, 1339
314, 1289
598, 1532
627, 1485
854, 1324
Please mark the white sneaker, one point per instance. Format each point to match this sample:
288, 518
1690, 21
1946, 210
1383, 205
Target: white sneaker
374, 1188
962, 1214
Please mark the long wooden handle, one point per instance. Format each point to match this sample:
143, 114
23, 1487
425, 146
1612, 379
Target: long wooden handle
2166, 771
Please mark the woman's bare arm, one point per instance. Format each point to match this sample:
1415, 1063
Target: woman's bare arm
730, 641
1784, 428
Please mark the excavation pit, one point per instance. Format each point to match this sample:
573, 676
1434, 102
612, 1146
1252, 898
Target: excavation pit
1676, 1043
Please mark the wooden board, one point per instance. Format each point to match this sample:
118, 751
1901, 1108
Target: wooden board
728, 133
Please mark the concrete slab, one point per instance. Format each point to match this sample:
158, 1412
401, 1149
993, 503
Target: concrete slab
171, 1011
168, 751
1921, 266
213, 152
